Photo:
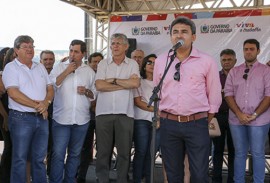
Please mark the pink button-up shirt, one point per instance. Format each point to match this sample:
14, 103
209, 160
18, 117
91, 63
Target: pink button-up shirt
198, 90
249, 93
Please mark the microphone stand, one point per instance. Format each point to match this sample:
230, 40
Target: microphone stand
154, 98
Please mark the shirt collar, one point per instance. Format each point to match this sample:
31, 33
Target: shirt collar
194, 53
253, 65
34, 64
109, 61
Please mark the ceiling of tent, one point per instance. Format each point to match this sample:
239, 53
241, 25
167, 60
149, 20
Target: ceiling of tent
103, 9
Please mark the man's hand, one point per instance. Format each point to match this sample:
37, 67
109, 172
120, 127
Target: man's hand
244, 118
45, 115
134, 76
71, 67
42, 106
81, 90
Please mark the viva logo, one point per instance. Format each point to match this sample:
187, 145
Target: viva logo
245, 25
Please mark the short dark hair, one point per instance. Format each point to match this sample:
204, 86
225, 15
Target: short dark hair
95, 54
227, 52
79, 42
186, 21
252, 41
145, 60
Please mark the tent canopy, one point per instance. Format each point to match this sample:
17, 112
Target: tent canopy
103, 9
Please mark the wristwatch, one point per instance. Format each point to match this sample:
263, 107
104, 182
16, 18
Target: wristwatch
255, 114
114, 81
86, 92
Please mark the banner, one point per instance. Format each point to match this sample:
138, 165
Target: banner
215, 31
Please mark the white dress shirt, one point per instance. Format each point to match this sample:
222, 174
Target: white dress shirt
69, 107
31, 82
121, 101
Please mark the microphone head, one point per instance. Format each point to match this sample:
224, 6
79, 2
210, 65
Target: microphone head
178, 44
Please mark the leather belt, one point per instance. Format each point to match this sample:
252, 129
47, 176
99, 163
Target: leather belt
180, 118
29, 113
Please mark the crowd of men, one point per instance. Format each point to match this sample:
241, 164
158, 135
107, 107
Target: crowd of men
53, 111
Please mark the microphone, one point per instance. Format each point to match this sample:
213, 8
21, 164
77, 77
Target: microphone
71, 62
177, 45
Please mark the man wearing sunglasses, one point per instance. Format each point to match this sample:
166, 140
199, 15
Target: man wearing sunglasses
190, 97
247, 92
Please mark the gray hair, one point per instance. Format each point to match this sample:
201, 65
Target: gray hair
46, 52
120, 36
22, 39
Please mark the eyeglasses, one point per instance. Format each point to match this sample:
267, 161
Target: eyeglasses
27, 47
245, 76
116, 44
176, 76
150, 62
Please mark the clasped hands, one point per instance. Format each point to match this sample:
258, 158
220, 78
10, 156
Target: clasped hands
42, 107
245, 118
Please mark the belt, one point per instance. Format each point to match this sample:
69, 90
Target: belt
29, 113
180, 118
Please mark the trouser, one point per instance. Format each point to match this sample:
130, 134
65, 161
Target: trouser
118, 127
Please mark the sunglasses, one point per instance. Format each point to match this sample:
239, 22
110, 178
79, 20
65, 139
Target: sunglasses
245, 76
176, 76
150, 62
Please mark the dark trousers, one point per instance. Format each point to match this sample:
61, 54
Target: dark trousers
5, 165
50, 145
219, 145
190, 137
142, 143
120, 128
87, 151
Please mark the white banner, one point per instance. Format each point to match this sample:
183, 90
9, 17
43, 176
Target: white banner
215, 31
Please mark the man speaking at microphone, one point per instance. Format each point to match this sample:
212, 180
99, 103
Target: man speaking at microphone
190, 96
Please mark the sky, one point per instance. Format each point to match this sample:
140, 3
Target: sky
53, 24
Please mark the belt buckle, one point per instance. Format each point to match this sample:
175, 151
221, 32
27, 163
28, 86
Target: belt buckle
179, 118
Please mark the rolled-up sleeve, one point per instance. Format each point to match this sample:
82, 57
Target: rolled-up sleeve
213, 88
228, 89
